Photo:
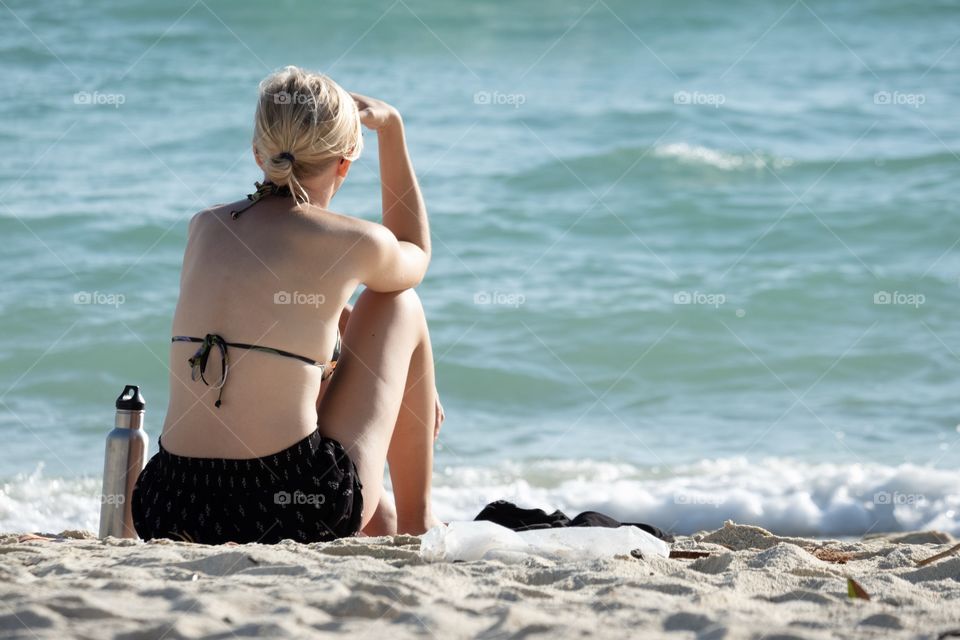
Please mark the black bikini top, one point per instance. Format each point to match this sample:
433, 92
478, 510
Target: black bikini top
198, 362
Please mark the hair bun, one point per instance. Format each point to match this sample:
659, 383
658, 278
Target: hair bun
309, 112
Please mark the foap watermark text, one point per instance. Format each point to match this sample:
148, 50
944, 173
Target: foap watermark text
500, 298
299, 297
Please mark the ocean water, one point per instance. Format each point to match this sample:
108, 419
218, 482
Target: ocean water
692, 261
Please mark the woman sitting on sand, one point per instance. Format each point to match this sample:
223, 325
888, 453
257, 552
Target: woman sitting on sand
262, 440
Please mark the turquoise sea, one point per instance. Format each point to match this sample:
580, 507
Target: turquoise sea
692, 261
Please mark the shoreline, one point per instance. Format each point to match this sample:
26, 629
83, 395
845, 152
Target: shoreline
751, 584
787, 495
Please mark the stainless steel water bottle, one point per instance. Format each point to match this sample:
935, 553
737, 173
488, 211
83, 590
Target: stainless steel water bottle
123, 461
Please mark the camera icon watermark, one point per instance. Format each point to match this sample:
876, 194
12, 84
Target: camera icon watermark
697, 98
915, 100
501, 298
286, 97
714, 300
497, 98
285, 498
99, 297
299, 297
95, 98
899, 298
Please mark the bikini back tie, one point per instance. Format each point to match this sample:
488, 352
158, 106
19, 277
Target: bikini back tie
265, 188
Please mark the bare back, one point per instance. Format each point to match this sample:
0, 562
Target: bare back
274, 277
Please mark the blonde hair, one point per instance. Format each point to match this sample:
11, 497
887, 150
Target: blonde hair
304, 121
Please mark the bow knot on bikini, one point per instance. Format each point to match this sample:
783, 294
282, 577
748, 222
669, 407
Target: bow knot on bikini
198, 362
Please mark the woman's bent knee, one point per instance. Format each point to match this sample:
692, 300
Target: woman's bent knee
404, 304
407, 298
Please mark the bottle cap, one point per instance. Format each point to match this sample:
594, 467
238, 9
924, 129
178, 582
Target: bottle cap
131, 399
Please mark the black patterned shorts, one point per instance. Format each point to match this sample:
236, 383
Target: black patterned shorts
309, 492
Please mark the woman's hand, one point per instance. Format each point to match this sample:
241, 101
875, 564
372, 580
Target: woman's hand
439, 417
375, 114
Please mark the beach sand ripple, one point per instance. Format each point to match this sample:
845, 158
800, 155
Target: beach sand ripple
753, 584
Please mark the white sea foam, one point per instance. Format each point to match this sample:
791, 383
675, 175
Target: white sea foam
33, 502
696, 154
786, 496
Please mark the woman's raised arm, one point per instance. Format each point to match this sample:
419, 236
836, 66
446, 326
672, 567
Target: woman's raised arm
404, 212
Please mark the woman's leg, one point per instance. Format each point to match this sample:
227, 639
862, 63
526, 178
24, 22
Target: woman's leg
410, 474
380, 402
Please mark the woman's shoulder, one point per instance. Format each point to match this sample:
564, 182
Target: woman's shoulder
222, 212
307, 222
327, 221
213, 211
366, 239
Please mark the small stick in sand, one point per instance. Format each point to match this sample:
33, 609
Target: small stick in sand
831, 555
33, 537
688, 555
949, 552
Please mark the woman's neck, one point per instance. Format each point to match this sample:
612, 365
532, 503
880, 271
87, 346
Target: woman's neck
320, 189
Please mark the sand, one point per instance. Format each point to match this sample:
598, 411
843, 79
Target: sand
751, 585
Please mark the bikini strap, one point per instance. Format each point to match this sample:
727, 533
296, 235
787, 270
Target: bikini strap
198, 362
265, 188
278, 352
